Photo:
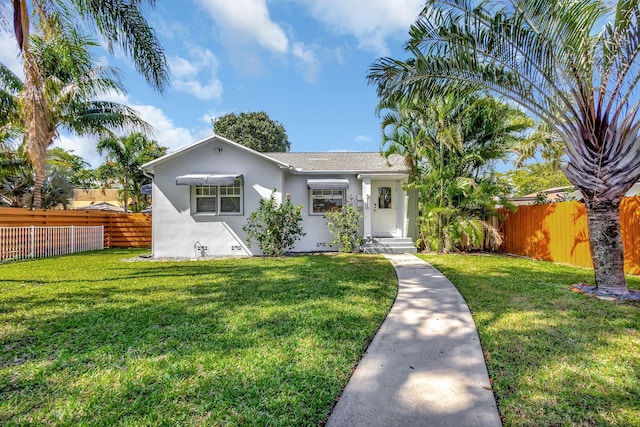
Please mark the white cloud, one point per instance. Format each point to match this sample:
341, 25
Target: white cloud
211, 90
113, 96
9, 54
307, 61
212, 115
247, 22
181, 68
84, 147
369, 21
164, 131
197, 75
362, 138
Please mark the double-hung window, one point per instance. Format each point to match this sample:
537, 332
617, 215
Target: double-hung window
218, 199
326, 200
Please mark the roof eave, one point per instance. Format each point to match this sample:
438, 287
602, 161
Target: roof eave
296, 171
150, 166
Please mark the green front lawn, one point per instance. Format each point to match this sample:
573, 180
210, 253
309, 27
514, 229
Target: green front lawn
556, 358
87, 339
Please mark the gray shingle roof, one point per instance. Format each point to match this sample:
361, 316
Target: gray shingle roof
341, 162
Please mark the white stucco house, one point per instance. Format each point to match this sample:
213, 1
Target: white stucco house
204, 193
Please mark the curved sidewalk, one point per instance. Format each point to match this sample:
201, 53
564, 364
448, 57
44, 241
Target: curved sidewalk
425, 366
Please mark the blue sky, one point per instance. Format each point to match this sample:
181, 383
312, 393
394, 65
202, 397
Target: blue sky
302, 61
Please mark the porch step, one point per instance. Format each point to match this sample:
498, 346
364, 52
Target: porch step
389, 245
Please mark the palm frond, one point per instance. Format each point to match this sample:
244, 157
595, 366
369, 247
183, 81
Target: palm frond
122, 23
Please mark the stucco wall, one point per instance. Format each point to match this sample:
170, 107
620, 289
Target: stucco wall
318, 236
175, 229
178, 232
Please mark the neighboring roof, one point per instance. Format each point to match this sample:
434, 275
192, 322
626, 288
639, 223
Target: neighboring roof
347, 161
552, 193
100, 206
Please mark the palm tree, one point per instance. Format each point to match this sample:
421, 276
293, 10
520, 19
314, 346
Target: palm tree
118, 23
450, 145
16, 183
71, 86
573, 64
125, 155
10, 123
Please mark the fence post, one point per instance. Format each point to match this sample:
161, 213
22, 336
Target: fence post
32, 243
71, 240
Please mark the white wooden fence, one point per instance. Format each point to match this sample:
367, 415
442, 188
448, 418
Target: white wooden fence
39, 242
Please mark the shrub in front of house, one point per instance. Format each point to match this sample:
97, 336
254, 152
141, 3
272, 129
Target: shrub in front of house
275, 226
344, 225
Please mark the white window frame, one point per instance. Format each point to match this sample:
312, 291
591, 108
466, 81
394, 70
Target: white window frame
218, 192
314, 196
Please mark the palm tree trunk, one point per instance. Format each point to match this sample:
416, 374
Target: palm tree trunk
126, 195
37, 123
607, 252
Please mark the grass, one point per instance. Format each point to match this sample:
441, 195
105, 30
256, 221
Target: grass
89, 340
555, 357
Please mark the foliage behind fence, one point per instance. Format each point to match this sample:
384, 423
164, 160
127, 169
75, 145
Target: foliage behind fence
120, 230
558, 232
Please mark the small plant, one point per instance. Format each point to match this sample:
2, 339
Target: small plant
275, 226
344, 225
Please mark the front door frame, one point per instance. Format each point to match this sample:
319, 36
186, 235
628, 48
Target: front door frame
384, 220
368, 182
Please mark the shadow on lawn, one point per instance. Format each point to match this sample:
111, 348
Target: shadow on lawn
190, 343
553, 355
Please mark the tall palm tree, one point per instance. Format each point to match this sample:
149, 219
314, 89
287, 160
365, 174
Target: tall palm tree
118, 22
573, 64
71, 86
125, 155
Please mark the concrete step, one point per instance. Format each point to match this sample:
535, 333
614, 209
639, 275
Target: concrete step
389, 245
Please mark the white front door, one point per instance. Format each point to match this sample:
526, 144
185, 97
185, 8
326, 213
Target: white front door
385, 204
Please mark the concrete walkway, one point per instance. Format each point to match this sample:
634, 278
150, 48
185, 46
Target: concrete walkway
425, 366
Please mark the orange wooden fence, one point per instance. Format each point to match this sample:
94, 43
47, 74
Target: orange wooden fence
120, 230
558, 232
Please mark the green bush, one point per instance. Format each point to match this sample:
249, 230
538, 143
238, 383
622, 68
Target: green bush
275, 226
344, 225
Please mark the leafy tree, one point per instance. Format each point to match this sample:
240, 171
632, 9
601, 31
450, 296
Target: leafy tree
573, 64
535, 177
275, 226
543, 143
255, 130
10, 124
125, 155
118, 23
74, 167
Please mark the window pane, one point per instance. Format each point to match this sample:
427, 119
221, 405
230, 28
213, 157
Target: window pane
326, 200
206, 204
384, 197
230, 190
230, 204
